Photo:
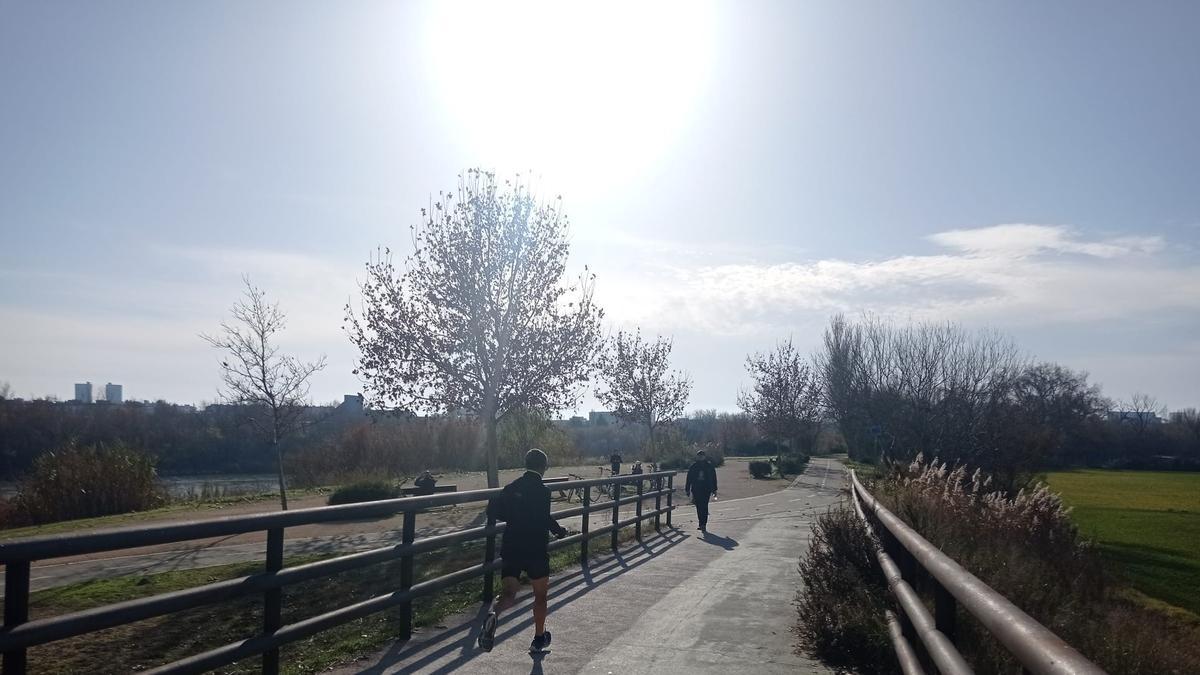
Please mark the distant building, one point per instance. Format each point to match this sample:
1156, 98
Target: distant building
352, 405
601, 417
112, 393
1136, 418
83, 392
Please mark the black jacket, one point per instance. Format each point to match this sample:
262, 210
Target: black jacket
525, 505
702, 477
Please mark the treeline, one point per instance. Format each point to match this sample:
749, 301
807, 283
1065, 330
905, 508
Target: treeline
973, 398
335, 446
182, 439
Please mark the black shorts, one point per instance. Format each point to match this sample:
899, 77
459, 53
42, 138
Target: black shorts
536, 566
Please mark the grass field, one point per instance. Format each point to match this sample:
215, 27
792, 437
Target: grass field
1146, 522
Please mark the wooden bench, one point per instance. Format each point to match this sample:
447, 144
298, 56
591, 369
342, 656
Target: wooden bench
413, 490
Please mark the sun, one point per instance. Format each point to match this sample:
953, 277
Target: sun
593, 94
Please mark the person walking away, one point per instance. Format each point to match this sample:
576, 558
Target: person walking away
615, 461
701, 485
525, 505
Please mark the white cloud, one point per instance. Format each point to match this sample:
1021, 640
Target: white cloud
1004, 275
1022, 240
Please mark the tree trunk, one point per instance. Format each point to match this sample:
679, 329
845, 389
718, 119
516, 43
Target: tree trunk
279, 463
488, 439
652, 455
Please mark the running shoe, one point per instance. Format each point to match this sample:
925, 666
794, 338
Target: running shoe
487, 632
541, 643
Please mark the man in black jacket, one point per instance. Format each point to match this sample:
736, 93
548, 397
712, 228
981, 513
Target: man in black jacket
701, 484
525, 505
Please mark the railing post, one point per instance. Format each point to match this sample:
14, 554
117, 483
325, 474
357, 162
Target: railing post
587, 518
658, 504
406, 574
16, 610
489, 555
616, 515
637, 526
670, 497
273, 599
944, 610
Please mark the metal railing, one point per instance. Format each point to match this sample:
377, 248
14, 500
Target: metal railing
19, 634
905, 555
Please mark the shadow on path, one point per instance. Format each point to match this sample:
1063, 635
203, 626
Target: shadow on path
564, 589
727, 543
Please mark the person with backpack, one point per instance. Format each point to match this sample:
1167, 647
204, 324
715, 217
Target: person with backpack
701, 485
524, 505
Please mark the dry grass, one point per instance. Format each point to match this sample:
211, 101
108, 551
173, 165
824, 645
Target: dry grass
1026, 546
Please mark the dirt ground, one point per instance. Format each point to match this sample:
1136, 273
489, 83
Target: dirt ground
733, 480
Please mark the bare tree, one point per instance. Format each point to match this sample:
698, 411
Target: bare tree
5, 390
785, 401
641, 388
1141, 412
1189, 418
272, 385
934, 388
480, 320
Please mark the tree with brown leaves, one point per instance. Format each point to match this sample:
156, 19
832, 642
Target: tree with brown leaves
480, 320
785, 402
641, 388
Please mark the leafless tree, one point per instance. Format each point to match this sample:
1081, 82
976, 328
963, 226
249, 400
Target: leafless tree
638, 385
785, 401
925, 387
480, 320
273, 386
5, 390
1190, 419
1141, 411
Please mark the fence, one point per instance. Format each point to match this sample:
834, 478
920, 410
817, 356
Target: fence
18, 633
909, 561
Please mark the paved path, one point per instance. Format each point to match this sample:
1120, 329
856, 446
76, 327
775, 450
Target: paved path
680, 603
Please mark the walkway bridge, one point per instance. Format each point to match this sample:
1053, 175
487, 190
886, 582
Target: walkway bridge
664, 599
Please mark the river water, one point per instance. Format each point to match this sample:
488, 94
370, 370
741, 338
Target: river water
191, 486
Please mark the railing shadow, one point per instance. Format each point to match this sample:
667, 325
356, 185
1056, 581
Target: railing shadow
564, 590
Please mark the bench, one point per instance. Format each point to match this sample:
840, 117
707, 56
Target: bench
412, 490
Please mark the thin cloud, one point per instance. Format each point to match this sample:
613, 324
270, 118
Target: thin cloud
1006, 275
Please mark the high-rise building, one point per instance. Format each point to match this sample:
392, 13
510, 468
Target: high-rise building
83, 392
112, 393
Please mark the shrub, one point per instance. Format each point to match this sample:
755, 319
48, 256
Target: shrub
364, 491
1024, 546
841, 608
86, 481
761, 468
793, 464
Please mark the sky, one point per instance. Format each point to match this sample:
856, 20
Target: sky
735, 173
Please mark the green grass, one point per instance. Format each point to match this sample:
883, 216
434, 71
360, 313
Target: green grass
1146, 523
163, 639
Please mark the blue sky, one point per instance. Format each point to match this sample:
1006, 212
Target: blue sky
734, 172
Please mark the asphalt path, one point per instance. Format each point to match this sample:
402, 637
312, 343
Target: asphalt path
681, 602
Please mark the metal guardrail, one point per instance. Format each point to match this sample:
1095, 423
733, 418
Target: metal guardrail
18, 633
1032, 644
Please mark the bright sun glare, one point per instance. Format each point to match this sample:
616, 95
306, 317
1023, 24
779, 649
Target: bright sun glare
590, 93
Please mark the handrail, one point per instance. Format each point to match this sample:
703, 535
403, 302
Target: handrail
1037, 648
19, 633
